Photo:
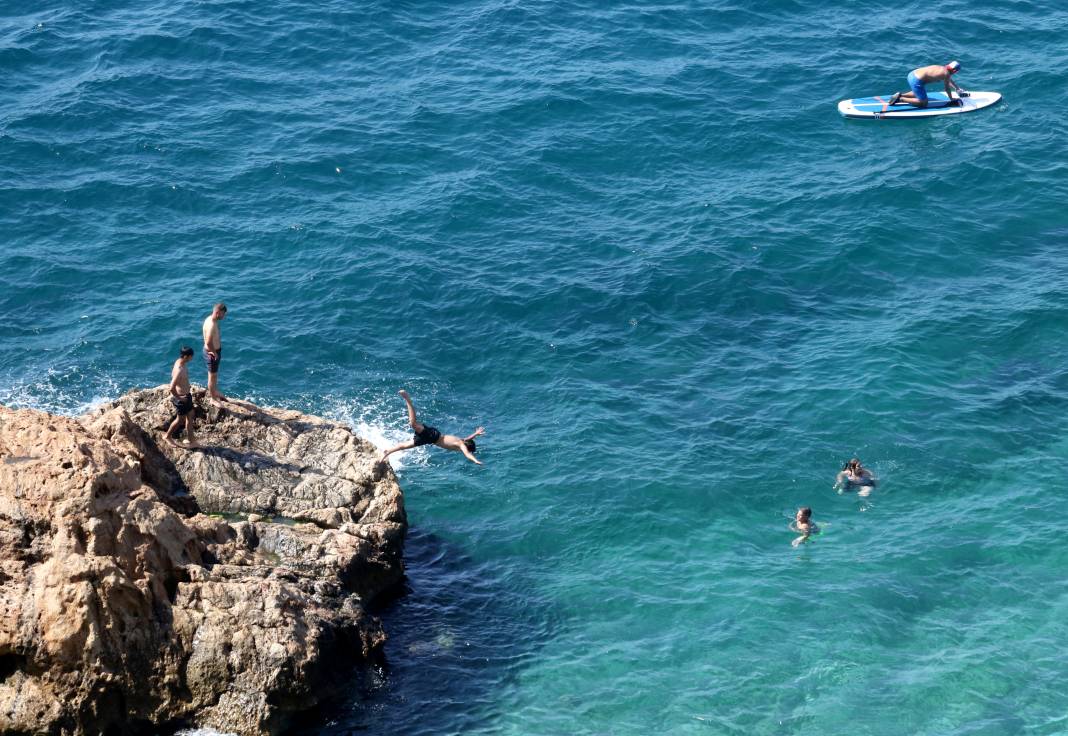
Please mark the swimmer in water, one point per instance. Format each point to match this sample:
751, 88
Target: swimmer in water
854, 476
427, 435
803, 524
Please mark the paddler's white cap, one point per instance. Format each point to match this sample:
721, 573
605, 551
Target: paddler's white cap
953, 67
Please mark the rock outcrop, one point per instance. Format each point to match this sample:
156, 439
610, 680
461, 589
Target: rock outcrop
144, 586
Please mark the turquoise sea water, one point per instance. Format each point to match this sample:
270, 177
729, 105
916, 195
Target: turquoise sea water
639, 245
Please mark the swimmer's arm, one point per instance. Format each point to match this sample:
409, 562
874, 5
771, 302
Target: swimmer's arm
477, 433
467, 454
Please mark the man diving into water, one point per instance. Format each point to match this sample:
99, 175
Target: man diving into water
427, 435
919, 78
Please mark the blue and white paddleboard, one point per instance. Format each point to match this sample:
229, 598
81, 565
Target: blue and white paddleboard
877, 107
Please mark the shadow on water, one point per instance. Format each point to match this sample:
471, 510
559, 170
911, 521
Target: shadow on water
459, 633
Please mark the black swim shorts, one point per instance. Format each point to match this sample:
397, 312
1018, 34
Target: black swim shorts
428, 436
183, 404
213, 363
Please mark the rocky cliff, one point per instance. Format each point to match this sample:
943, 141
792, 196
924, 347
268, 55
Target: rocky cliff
146, 586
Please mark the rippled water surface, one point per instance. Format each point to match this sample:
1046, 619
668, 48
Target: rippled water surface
637, 243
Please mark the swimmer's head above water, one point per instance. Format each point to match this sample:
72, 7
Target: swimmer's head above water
855, 469
853, 474
803, 523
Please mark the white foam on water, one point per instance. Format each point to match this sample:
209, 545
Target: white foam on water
56, 392
381, 425
93, 403
203, 732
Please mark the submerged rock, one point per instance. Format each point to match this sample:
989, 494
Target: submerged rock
144, 586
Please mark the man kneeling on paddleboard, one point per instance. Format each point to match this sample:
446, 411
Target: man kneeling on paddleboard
919, 78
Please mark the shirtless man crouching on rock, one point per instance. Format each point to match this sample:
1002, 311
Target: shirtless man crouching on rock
182, 398
213, 349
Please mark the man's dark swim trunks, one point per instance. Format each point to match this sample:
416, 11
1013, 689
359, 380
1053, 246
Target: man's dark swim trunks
213, 363
183, 404
428, 436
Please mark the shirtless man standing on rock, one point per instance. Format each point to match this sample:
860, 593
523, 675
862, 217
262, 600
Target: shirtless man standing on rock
182, 398
213, 349
919, 78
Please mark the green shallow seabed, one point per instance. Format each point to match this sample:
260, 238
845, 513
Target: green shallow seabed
639, 245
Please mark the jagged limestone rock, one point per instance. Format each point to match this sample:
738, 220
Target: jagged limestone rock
127, 603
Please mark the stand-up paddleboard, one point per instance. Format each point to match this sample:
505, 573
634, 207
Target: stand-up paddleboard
938, 104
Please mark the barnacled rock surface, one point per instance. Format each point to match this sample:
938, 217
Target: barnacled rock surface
144, 586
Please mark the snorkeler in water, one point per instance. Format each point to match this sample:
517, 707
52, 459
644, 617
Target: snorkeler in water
804, 525
854, 476
427, 435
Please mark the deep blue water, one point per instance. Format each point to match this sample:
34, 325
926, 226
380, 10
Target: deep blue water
638, 244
